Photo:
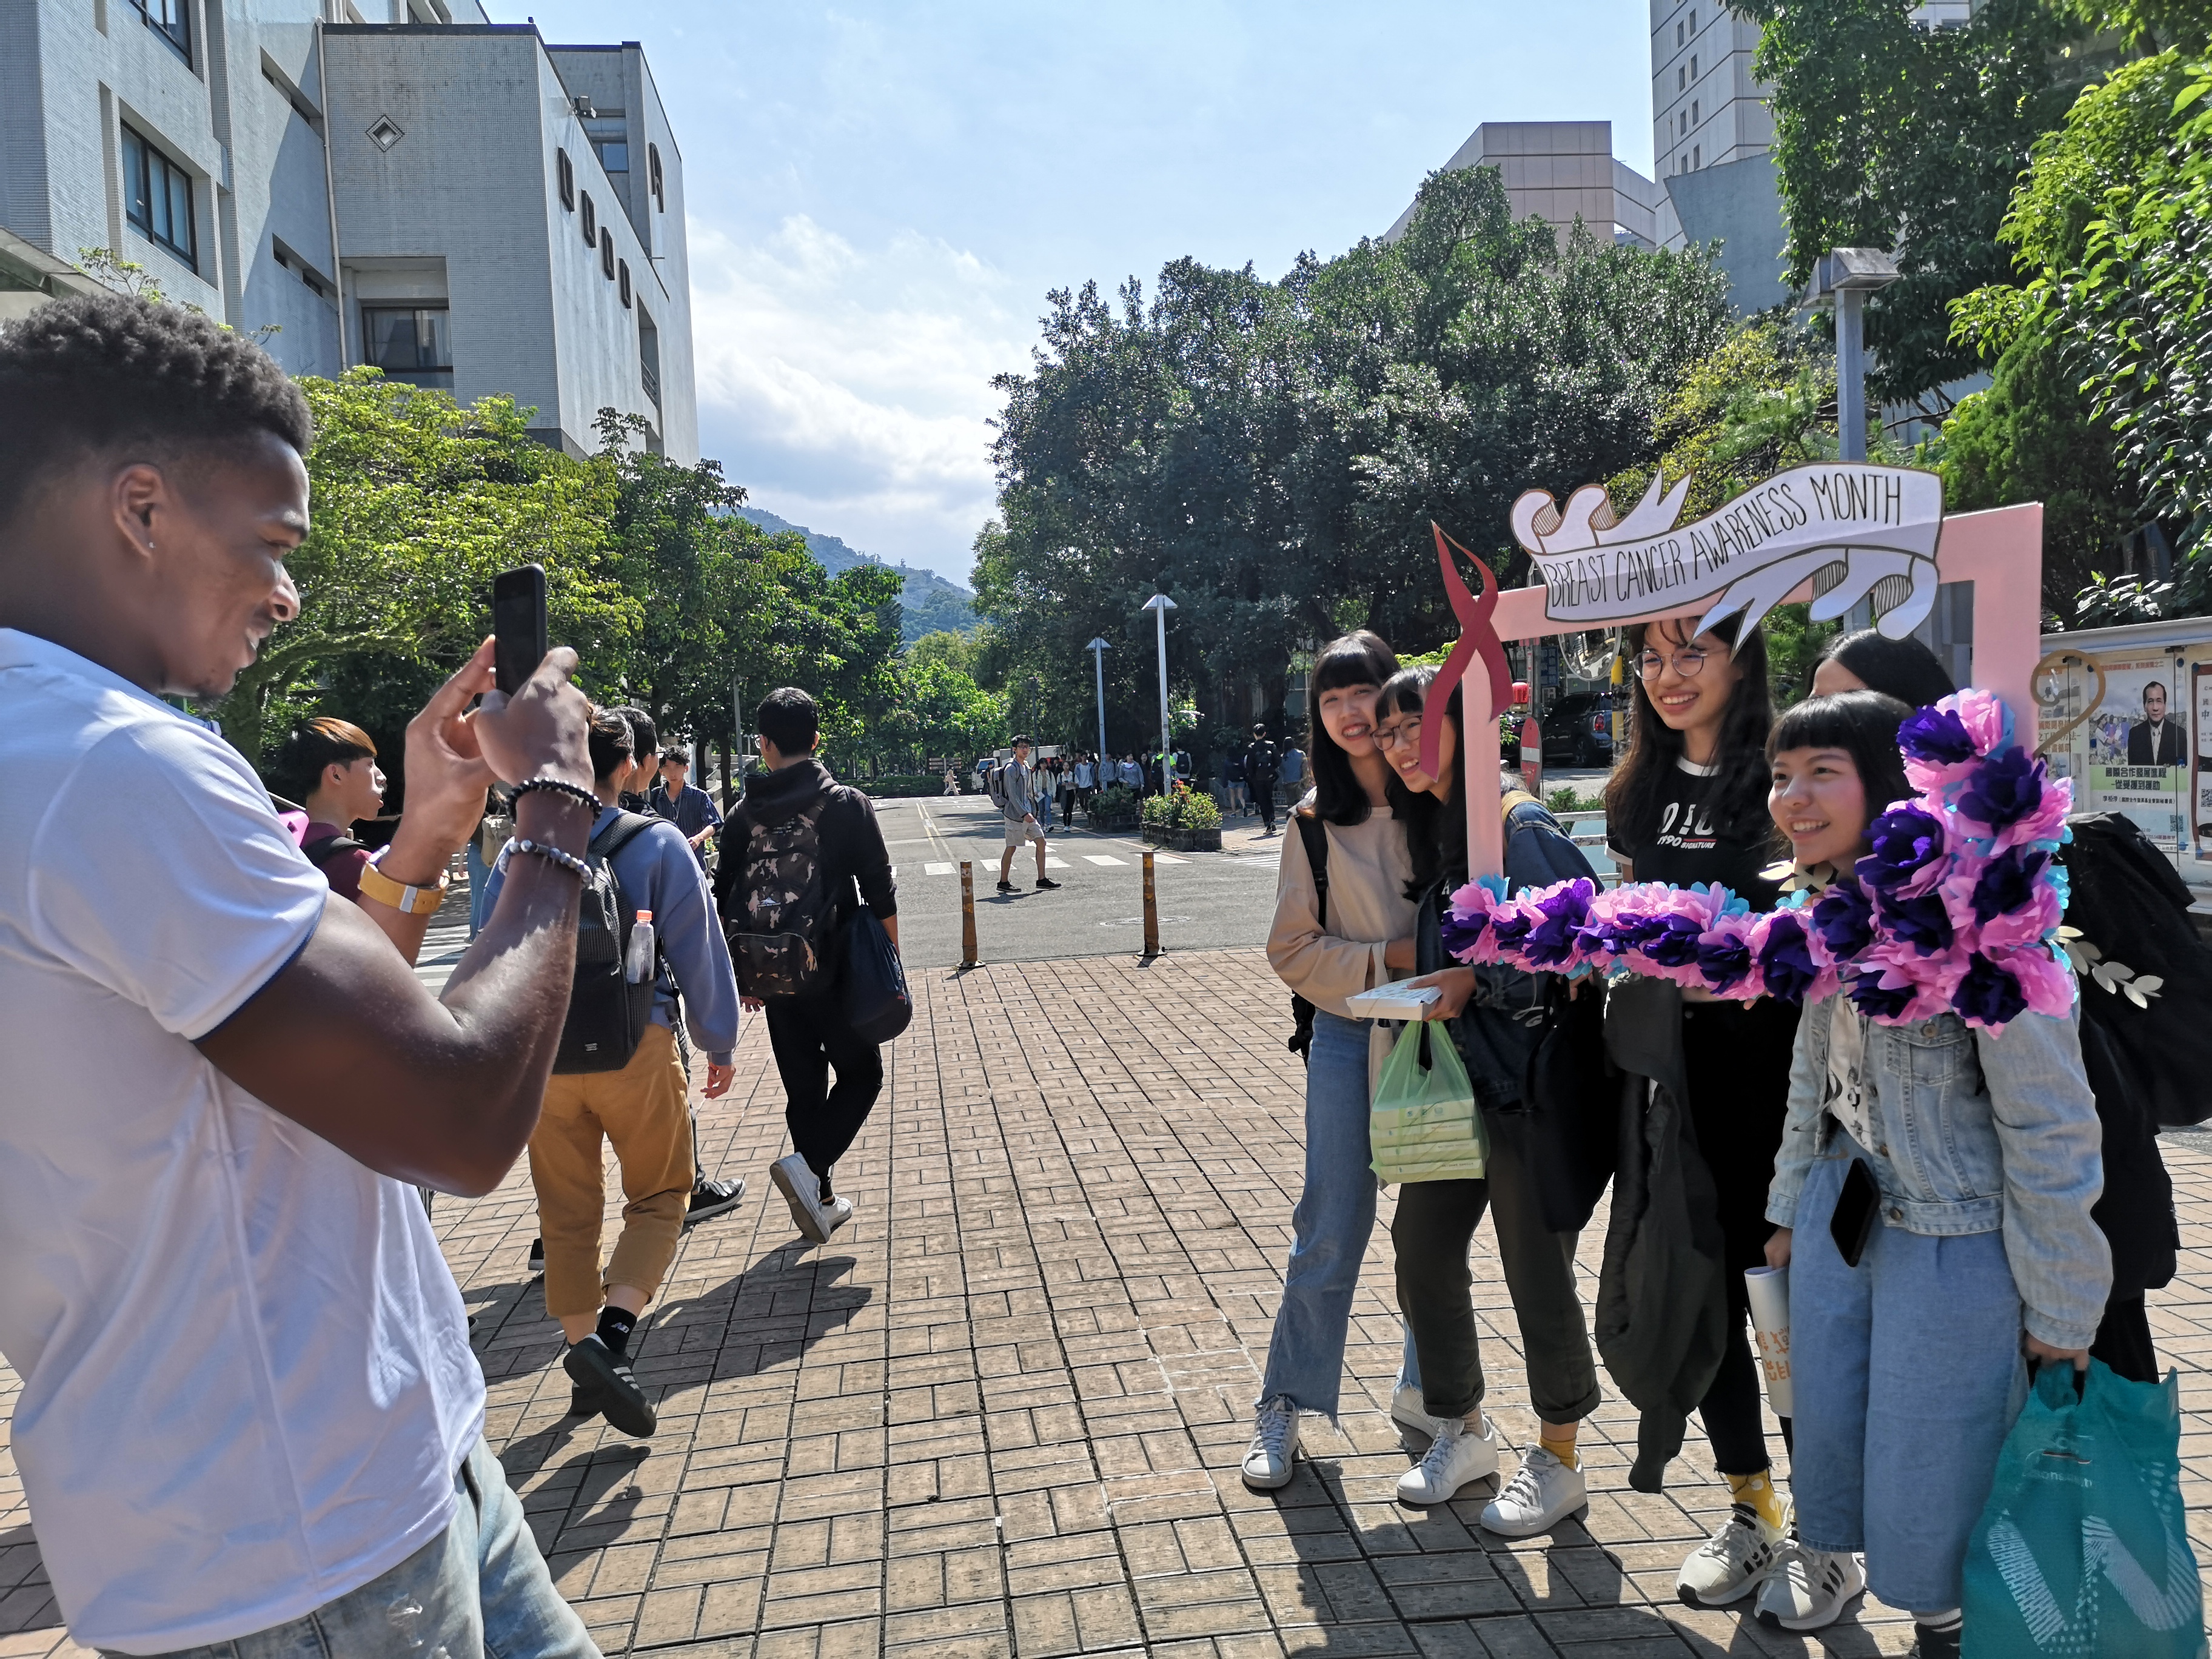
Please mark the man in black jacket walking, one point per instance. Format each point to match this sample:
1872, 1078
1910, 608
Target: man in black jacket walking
1260, 766
809, 1031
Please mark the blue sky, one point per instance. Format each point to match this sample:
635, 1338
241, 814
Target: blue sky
881, 195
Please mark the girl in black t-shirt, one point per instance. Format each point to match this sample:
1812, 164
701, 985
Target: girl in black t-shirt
1688, 804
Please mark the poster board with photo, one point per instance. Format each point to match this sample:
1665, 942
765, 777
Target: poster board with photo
2129, 732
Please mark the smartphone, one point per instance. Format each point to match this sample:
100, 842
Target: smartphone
1857, 1206
517, 625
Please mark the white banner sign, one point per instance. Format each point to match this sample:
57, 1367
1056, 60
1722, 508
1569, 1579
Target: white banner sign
1876, 521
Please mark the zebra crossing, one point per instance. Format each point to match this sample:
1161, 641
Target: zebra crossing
939, 867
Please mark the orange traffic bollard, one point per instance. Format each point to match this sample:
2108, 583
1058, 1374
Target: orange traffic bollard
1151, 912
967, 914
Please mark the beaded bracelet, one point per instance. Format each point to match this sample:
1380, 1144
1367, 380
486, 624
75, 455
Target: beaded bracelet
583, 797
566, 861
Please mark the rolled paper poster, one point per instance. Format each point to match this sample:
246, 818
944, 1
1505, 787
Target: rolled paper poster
1768, 1290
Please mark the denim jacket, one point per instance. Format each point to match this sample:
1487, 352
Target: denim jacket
1977, 1134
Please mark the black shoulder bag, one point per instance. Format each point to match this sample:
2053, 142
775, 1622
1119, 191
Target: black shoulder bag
1315, 833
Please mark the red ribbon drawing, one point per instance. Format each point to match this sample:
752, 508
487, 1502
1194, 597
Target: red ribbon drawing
1477, 638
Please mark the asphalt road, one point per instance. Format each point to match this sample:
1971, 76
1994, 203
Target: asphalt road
1206, 900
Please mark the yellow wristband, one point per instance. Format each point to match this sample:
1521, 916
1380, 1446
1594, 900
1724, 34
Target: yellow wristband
408, 900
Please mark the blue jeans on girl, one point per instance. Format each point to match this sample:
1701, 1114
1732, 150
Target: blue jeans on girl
1334, 1217
1908, 1375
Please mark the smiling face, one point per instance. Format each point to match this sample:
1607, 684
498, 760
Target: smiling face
1348, 714
1688, 678
1398, 736
1817, 799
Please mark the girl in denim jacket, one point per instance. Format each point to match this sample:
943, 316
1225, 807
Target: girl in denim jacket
1908, 1368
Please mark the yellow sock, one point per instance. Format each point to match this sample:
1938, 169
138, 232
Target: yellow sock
1561, 1443
1757, 1490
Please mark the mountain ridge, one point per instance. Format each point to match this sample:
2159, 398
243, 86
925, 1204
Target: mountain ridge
927, 603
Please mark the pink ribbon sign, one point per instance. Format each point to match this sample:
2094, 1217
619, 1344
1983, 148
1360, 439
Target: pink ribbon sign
1478, 637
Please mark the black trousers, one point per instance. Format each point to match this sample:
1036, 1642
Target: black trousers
1263, 801
812, 1039
1736, 1060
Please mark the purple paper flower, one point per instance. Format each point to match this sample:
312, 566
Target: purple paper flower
2003, 789
1674, 942
1924, 923
1551, 943
1907, 856
1724, 954
1843, 917
2009, 882
1460, 934
1988, 995
1936, 736
1785, 956
1878, 998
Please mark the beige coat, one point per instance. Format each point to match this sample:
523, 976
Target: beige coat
1369, 866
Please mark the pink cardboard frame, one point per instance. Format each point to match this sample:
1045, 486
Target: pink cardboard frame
1999, 551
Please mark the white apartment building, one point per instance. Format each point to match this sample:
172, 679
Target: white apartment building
1563, 171
453, 200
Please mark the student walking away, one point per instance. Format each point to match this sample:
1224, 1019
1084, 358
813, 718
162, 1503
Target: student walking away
331, 765
2146, 1065
804, 852
1014, 790
249, 1412
1232, 778
1688, 804
1343, 924
645, 764
646, 933
1260, 766
1907, 1352
1495, 1016
682, 803
1293, 778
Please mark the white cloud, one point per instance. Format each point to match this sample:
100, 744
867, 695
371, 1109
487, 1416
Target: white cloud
848, 389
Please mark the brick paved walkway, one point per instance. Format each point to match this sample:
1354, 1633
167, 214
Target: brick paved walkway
1001, 1412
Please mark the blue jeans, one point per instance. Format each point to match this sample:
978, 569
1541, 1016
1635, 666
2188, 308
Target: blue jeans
1334, 1217
1907, 1375
480, 1586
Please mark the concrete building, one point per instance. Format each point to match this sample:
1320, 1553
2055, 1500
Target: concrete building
1563, 171
453, 200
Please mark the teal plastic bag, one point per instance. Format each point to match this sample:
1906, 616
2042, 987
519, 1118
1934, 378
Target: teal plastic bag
1424, 1125
2082, 1549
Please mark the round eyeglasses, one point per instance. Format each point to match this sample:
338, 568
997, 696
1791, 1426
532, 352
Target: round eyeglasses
1689, 662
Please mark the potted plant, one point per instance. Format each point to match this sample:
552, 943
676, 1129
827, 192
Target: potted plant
1114, 808
1185, 820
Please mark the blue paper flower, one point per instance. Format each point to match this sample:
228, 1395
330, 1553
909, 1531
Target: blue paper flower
1844, 918
1725, 958
1989, 995
1920, 922
1937, 736
1905, 841
2004, 789
2007, 883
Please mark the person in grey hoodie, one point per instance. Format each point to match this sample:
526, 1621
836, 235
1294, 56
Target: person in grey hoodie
641, 1109
1020, 808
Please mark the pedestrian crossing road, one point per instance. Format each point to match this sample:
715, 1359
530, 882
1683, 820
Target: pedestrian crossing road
1206, 900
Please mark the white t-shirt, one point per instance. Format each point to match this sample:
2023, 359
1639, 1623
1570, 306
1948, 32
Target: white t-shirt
1845, 1096
246, 1374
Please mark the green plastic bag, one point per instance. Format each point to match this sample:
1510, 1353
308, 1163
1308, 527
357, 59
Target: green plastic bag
1424, 1125
2082, 1549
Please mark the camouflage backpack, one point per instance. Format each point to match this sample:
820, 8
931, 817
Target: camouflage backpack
776, 913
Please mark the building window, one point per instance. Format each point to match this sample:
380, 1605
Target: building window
614, 154
409, 343
653, 175
1693, 66
591, 223
171, 19
564, 170
1694, 117
607, 253
1681, 78
1693, 20
158, 197
1696, 157
648, 357
622, 280
1678, 32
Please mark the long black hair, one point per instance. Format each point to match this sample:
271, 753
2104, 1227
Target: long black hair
1357, 658
1904, 669
1640, 782
1436, 830
1863, 725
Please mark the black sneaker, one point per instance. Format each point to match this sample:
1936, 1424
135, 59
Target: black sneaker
537, 1257
583, 1401
711, 1197
606, 1375
1933, 1643
1008, 887
1044, 882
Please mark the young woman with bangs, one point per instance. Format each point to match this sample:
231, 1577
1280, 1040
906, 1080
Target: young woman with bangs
1688, 804
1340, 928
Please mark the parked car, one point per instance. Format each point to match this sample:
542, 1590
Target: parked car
1578, 730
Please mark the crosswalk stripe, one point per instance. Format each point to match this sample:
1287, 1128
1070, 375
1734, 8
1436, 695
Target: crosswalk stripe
1167, 858
1100, 857
937, 869
1056, 864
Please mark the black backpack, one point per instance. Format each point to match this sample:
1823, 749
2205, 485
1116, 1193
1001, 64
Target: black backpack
323, 849
775, 900
1315, 833
607, 1015
1259, 763
2129, 913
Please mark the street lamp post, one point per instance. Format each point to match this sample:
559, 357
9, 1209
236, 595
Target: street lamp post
1842, 277
1159, 604
1097, 648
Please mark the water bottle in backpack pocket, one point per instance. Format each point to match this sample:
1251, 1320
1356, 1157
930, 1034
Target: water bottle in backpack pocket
608, 1009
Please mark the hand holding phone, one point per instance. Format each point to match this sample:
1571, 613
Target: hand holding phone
517, 625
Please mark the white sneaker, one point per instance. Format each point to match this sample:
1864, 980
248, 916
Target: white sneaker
1731, 1562
836, 1213
1407, 1408
1542, 1492
1456, 1455
1274, 1449
802, 1189
1807, 1588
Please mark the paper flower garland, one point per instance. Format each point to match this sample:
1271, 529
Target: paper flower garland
1953, 909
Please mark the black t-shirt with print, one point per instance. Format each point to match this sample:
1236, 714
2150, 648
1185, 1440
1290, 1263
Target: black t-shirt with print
1690, 845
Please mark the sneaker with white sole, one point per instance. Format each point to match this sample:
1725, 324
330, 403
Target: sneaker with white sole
1730, 1564
1456, 1455
1542, 1492
802, 1189
1807, 1588
836, 1212
1409, 1410
1274, 1449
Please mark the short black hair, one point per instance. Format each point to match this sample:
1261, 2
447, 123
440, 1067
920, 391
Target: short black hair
94, 373
644, 738
297, 771
1863, 725
1020, 737
1904, 669
680, 755
611, 745
787, 718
